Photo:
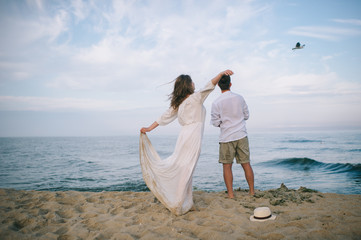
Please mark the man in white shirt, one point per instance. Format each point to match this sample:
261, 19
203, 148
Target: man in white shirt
229, 113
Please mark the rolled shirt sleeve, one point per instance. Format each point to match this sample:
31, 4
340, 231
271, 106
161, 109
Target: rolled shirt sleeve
245, 110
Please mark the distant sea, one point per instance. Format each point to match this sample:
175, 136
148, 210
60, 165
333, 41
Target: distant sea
323, 161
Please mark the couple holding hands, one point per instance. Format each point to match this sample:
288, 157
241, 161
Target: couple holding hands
170, 179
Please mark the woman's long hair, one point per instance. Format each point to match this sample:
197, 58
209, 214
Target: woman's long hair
182, 89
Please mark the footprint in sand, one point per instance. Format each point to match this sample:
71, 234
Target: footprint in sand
43, 211
19, 224
62, 230
91, 200
92, 224
81, 208
65, 214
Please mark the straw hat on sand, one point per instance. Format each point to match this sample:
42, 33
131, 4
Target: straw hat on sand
262, 214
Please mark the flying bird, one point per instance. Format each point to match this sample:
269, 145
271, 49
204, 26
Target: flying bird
298, 46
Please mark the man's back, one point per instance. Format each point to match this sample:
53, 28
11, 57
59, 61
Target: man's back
229, 112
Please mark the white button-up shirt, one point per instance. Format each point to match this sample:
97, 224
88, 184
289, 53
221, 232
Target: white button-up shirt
229, 113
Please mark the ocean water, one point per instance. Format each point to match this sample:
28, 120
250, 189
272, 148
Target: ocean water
324, 161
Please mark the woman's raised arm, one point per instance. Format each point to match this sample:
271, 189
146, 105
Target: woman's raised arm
216, 79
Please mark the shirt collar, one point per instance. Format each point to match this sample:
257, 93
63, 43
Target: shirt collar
228, 92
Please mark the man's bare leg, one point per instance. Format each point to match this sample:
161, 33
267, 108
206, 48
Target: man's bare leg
228, 178
248, 172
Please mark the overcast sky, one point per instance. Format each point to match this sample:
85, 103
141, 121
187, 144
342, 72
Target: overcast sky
84, 68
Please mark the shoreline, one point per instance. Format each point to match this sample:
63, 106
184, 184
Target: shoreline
301, 214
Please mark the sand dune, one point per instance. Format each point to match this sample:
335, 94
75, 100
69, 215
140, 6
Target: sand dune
301, 214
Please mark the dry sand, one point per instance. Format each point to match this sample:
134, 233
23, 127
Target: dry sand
301, 214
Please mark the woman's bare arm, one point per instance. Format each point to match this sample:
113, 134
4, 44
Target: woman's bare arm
150, 128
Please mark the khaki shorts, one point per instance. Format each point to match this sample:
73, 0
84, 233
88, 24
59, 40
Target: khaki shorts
238, 149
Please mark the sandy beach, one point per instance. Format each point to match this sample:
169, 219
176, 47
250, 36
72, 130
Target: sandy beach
301, 214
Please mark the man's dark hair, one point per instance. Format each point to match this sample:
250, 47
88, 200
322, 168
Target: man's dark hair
224, 82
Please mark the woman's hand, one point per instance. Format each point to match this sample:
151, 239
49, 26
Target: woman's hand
144, 130
227, 72
216, 79
150, 128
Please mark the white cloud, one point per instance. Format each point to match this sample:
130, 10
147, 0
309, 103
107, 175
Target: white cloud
20, 103
310, 85
325, 58
349, 21
140, 42
37, 3
112, 55
80, 9
102, 53
264, 44
322, 32
14, 71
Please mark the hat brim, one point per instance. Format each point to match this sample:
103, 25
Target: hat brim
253, 219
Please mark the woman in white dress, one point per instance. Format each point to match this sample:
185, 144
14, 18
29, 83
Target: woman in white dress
170, 179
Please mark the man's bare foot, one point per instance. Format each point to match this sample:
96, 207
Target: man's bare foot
230, 196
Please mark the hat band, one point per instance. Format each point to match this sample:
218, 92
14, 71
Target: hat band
260, 218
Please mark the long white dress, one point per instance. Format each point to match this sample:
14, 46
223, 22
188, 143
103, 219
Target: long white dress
170, 179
